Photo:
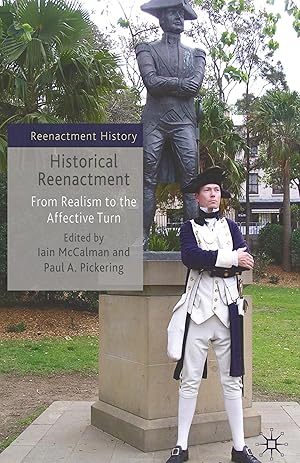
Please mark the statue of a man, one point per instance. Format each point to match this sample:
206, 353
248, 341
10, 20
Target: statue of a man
172, 74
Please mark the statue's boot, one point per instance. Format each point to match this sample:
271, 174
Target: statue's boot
149, 211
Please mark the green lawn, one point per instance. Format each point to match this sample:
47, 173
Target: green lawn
276, 339
47, 356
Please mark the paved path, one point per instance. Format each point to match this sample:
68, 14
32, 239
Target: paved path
63, 434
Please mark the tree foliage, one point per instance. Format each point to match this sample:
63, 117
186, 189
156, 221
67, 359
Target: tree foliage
51, 68
124, 106
240, 43
276, 119
220, 141
270, 242
293, 10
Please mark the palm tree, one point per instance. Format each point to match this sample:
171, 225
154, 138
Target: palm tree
51, 68
276, 120
220, 141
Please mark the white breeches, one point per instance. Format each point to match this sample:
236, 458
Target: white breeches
195, 355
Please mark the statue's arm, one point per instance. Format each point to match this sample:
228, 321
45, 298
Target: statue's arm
155, 84
191, 85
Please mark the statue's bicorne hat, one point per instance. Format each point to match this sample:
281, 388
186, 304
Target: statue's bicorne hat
214, 175
154, 6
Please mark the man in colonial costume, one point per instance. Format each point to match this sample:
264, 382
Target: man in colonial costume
172, 74
214, 251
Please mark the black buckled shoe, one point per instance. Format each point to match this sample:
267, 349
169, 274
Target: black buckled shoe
243, 456
178, 455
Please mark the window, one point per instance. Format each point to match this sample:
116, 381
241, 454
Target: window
253, 184
277, 190
254, 217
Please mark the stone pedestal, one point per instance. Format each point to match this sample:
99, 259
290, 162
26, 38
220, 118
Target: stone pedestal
137, 394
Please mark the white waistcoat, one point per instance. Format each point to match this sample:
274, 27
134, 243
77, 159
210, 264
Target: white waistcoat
212, 295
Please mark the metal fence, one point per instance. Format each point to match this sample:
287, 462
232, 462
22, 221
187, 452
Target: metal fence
162, 223
254, 227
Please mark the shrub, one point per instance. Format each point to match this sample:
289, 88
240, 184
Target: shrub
274, 279
16, 328
173, 239
164, 240
295, 249
157, 242
270, 241
262, 261
85, 300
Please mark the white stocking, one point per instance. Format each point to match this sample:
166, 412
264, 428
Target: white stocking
186, 410
234, 411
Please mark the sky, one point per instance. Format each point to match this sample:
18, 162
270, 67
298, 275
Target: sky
288, 53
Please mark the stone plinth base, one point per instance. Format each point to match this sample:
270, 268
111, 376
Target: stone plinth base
138, 398
161, 434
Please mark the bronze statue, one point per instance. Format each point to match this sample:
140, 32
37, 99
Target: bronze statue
172, 74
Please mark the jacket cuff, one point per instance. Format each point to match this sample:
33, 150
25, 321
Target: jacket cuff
225, 258
235, 261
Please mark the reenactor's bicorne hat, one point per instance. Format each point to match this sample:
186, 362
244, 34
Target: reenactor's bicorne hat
154, 6
214, 175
